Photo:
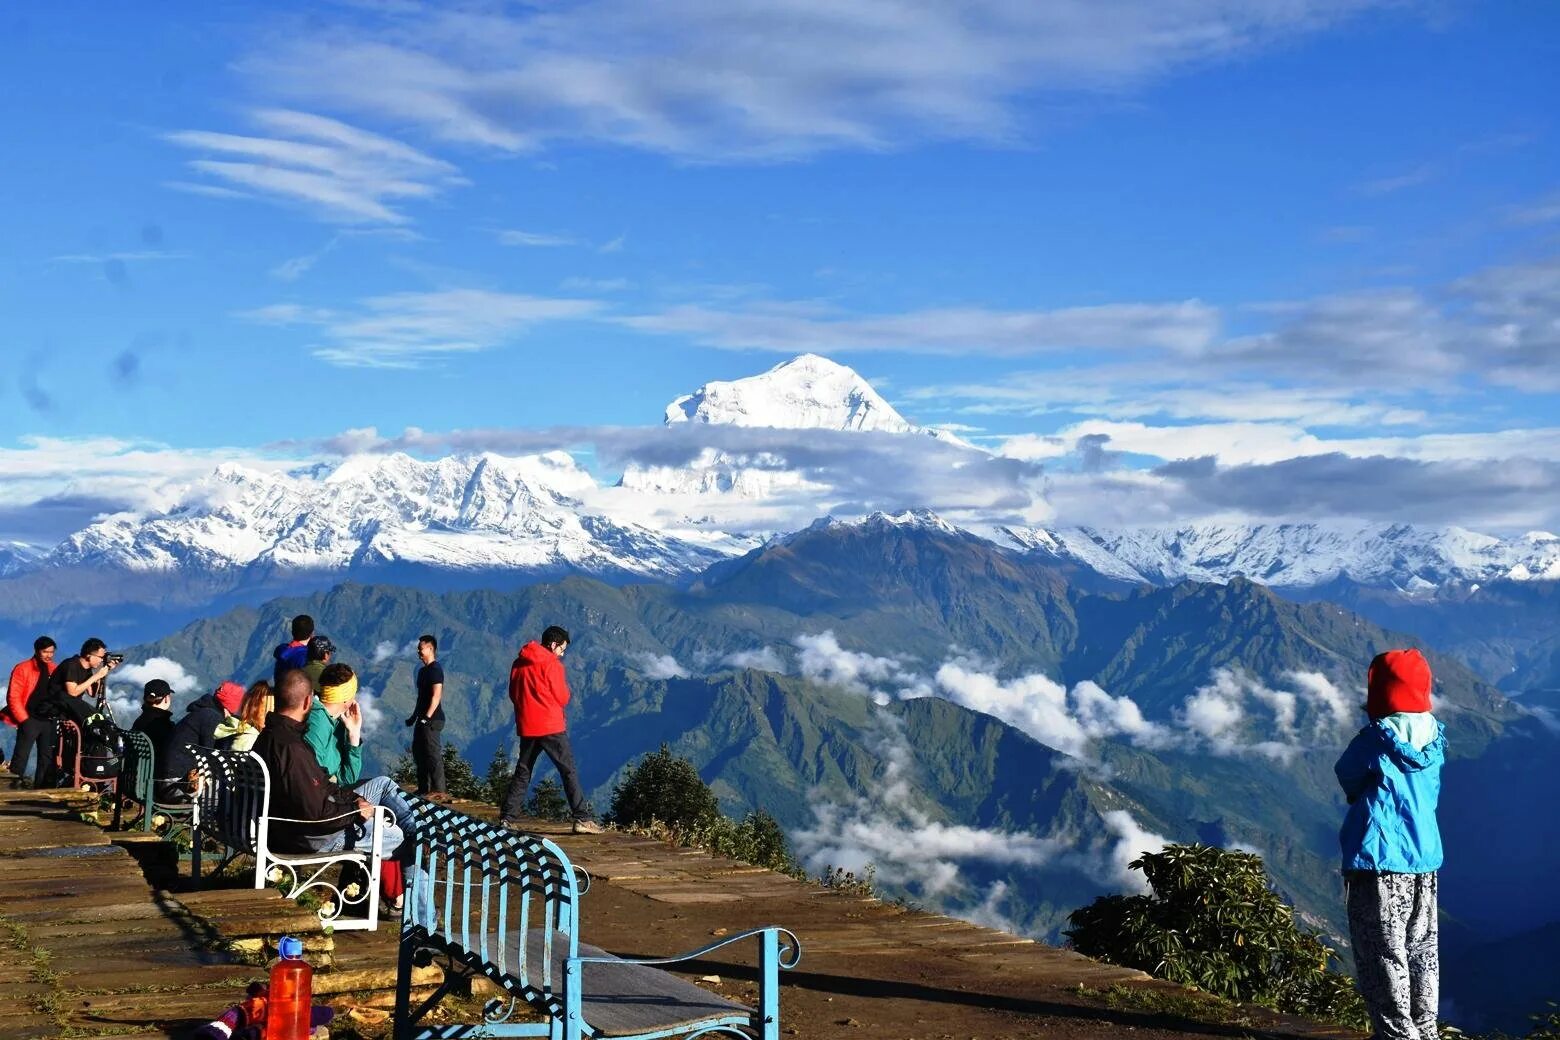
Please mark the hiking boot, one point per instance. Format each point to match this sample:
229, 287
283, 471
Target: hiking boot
512, 825
588, 827
438, 796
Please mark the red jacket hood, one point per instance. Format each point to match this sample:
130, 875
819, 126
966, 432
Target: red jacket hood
535, 653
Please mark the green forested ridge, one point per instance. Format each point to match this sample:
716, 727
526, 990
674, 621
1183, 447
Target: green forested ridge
786, 744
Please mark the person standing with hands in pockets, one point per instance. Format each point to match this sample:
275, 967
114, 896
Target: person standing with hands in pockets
427, 718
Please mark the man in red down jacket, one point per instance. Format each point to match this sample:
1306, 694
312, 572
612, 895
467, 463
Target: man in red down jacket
25, 678
540, 691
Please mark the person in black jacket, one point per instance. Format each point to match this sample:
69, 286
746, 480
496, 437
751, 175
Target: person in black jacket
197, 729
300, 789
156, 718
73, 692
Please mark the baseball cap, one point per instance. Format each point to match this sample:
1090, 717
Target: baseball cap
155, 690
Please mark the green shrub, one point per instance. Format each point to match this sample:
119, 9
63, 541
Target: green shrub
547, 801
500, 772
1214, 923
664, 787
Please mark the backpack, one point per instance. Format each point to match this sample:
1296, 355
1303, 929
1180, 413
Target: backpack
103, 748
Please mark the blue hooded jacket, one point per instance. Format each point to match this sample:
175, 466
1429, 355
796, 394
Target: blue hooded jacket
1391, 775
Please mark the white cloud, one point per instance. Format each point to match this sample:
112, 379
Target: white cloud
661, 666
823, 660
338, 172
536, 239
1183, 327
1069, 721
405, 330
373, 712
717, 81
1218, 714
1130, 842
385, 649
763, 659
125, 257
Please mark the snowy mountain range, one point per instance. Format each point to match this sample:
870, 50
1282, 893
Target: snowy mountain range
544, 514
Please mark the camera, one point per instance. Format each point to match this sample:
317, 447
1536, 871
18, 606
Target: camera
113, 659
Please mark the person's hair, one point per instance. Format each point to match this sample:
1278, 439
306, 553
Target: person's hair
316, 653
293, 690
302, 627
92, 646
252, 708
335, 674
41, 644
425, 638
555, 635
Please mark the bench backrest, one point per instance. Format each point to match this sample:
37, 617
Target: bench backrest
233, 798
140, 766
504, 903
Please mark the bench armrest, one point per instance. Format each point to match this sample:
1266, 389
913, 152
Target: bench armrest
790, 950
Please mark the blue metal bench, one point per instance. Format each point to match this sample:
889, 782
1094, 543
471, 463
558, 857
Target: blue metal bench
137, 784
505, 906
233, 809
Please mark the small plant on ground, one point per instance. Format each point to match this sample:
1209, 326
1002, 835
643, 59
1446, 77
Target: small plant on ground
849, 882
1213, 922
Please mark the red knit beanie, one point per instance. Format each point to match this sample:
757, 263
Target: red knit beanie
1398, 680
230, 695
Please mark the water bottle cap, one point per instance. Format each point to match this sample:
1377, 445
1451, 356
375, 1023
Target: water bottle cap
290, 948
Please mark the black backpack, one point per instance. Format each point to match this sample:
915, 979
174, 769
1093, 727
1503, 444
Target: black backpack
103, 748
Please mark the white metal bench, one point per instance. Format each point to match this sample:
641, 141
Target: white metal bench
233, 809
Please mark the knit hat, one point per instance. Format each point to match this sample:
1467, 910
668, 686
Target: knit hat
1398, 680
230, 695
155, 690
340, 693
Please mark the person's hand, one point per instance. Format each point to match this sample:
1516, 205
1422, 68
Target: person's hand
353, 717
411, 719
110, 664
365, 808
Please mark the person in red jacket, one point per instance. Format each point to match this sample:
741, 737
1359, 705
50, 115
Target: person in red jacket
25, 678
540, 691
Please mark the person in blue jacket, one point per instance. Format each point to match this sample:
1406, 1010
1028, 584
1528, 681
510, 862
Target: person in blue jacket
1391, 776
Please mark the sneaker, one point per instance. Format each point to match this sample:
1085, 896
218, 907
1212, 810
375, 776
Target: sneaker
395, 906
512, 825
439, 796
588, 827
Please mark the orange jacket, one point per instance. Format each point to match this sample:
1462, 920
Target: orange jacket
24, 679
538, 690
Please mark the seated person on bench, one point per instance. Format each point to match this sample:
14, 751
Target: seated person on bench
342, 817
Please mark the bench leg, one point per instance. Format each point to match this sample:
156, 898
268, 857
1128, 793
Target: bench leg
769, 985
402, 1022
572, 1026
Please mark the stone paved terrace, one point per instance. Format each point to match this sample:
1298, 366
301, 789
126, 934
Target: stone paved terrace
101, 939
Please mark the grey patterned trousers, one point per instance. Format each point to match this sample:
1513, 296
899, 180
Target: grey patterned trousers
1397, 961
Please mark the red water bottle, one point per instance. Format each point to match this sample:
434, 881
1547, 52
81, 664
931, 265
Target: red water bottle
292, 994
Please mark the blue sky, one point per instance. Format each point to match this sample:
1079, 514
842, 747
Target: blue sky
1306, 228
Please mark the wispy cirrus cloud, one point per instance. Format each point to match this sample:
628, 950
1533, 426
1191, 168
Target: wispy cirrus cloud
716, 81
1186, 326
406, 330
537, 239
338, 172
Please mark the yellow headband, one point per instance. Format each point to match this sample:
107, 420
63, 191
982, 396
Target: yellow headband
339, 694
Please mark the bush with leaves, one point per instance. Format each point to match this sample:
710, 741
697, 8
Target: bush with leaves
665, 787
1213, 922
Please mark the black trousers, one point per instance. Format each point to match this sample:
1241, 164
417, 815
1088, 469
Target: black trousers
42, 734
556, 747
428, 754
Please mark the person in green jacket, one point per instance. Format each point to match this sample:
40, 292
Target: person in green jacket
334, 728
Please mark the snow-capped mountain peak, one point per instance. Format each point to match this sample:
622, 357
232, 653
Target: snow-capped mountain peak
807, 392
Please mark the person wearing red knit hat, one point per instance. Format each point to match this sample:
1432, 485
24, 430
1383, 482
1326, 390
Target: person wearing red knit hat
1391, 776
